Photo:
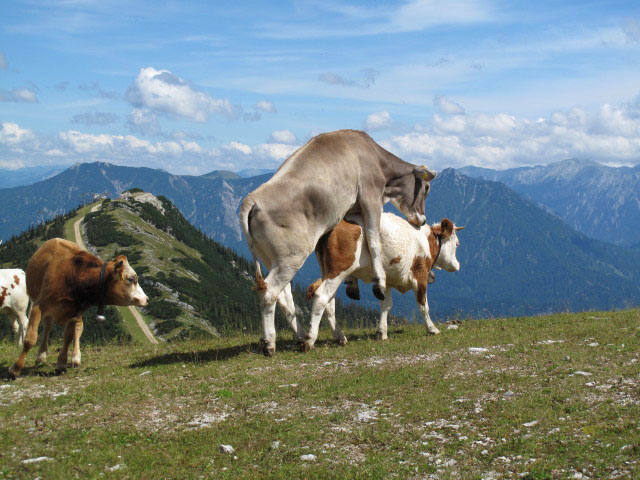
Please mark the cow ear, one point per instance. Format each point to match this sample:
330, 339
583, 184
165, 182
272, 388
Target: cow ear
447, 227
436, 230
424, 173
118, 268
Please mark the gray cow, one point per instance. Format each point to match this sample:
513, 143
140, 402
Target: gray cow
332, 175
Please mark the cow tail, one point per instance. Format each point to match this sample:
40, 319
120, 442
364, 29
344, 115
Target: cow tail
246, 211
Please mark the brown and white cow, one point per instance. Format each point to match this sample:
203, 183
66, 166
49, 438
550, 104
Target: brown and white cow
408, 255
63, 281
14, 300
332, 175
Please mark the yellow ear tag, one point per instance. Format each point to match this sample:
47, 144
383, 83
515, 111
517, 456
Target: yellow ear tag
425, 175
121, 276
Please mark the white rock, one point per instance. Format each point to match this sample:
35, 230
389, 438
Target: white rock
309, 457
115, 467
581, 373
552, 431
452, 327
478, 349
227, 449
367, 416
36, 460
531, 423
145, 373
275, 445
593, 344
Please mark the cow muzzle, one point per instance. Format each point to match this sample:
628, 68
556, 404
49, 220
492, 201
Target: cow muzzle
417, 220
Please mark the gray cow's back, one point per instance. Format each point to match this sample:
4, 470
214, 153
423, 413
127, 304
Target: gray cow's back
321, 181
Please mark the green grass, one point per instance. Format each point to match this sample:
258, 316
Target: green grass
410, 407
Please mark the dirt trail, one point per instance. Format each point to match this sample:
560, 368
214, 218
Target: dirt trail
139, 320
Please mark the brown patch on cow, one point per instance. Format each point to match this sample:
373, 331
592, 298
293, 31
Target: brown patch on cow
16, 278
3, 295
395, 260
261, 285
339, 248
420, 271
433, 249
311, 289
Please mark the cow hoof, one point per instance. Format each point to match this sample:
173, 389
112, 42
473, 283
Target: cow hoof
343, 341
378, 292
12, 374
353, 293
307, 345
381, 335
41, 360
60, 370
434, 332
267, 349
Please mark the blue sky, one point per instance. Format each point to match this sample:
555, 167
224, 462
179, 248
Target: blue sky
195, 86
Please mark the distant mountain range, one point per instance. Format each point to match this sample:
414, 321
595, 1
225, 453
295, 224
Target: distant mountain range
599, 201
28, 175
516, 257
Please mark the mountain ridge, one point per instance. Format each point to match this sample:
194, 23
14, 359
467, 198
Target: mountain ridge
591, 197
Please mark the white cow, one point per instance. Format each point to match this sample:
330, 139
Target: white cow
408, 255
14, 300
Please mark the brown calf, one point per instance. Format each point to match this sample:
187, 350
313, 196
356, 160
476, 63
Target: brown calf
62, 282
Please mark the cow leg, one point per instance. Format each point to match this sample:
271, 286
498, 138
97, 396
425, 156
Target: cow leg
371, 217
77, 332
321, 298
385, 307
44, 343
279, 277
24, 324
29, 341
285, 300
13, 320
330, 310
423, 306
67, 338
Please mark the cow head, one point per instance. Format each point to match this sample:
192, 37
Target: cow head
449, 243
123, 288
408, 193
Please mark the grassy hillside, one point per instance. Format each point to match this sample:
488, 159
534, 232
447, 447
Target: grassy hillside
534, 398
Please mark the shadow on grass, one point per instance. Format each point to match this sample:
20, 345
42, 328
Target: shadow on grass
210, 355
373, 335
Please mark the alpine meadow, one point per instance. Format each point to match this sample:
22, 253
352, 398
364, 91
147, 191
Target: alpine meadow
293, 239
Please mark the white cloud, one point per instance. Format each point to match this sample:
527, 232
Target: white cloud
283, 136
162, 91
265, 106
239, 147
12, 135
13, 164
447, 106
19, 95
422, 14
607, 134
95, 118
274, 152
378, 121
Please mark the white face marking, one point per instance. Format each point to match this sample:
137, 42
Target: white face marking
447, 259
